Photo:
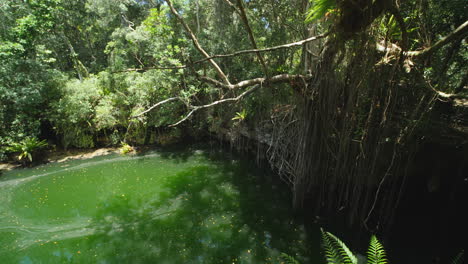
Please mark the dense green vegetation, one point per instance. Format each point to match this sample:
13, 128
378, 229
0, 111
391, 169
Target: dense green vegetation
67, 65
338, 94
80, 70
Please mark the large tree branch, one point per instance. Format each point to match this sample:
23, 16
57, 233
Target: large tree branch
284, 46
275, 79
440, 94
256, 83
234, 99
460, 32
156, 105
237, 53
197, 44
390, 48
143, 69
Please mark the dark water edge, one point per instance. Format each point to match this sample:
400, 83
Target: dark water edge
429, 225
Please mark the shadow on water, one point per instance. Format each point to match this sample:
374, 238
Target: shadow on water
209, 213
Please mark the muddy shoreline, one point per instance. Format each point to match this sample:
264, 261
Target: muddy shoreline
62, 156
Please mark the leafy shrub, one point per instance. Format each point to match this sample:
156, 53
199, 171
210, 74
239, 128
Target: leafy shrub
73, 114
105, 104
26, 148
105, 114
126, 148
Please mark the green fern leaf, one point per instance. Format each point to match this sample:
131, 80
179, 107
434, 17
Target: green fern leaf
286, 259
376, 253
459, 258
332, 254
336, 251
347, 255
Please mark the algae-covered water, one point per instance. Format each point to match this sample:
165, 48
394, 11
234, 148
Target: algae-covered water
190, 206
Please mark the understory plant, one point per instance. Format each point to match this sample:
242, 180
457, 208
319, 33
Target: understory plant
126, 148
240, 116
459, 258
336, 251
27, 148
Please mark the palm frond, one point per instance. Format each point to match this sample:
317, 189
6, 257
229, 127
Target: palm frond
376, 253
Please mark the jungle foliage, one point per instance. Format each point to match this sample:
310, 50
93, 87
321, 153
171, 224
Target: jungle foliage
352, 82
75, 72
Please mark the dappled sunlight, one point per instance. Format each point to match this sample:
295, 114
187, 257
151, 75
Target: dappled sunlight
197, 220
196, 206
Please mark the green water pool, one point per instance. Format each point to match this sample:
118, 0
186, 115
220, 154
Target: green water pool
196, 205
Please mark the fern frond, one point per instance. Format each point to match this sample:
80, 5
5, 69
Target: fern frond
286, 259
376, 252
348, 256
336, 250
332, 254
459, 258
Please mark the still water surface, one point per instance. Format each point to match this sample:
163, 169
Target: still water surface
190, 206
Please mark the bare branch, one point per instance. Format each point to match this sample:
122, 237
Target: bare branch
156, 105
237, 53
234, 99
197, 44
440, 94
460, 32
257, 82
445, 95
143, 69
284, 46
275, 79
394, 50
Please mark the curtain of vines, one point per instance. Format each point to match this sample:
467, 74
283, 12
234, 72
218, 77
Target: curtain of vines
347, 145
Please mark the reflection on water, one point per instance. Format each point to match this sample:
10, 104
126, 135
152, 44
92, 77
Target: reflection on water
168, 207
